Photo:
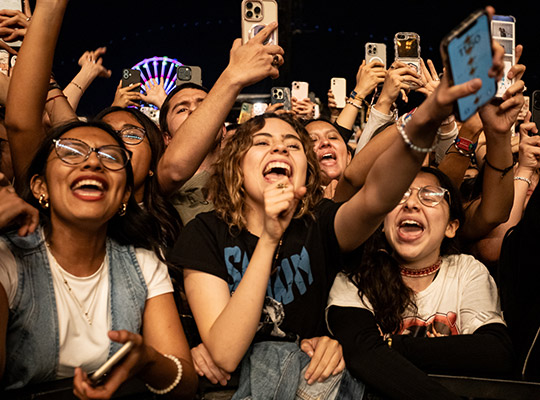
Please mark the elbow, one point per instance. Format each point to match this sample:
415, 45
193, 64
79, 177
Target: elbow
226, 362
171, 176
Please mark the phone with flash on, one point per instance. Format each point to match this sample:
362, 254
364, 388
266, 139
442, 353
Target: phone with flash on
97, 377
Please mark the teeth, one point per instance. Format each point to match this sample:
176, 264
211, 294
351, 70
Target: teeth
328, 155
277, 164
88, 182
411, 222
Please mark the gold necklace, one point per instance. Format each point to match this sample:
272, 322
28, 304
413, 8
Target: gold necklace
86, 313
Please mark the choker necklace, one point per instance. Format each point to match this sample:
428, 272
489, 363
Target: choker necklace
418, 273
70, 291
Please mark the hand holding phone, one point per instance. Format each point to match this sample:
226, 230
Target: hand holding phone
97, 377
256, 14
467, 54
300, 90
407, 51
338, 86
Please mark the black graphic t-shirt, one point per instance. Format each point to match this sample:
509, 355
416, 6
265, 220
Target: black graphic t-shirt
307, 263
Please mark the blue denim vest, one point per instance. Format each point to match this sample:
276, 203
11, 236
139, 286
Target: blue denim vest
32, 343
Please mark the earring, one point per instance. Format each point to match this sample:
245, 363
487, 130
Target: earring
150, 173
122, 210
43, 202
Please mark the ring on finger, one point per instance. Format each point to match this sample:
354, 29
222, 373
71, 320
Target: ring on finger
275, 61
281, 186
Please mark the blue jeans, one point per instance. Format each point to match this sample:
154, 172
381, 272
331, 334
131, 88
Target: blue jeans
275, 371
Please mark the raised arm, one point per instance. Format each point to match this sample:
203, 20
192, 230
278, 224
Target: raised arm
190, 144
29, 84
92, 67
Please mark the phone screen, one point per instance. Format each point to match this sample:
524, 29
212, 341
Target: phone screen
470, 56
407, 48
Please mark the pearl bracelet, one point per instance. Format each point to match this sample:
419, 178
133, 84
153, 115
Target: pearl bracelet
176, 380
522, 178
400, 125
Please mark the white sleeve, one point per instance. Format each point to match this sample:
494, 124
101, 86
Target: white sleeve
155, 273
375, 121
479, 296
8, 272
445, 141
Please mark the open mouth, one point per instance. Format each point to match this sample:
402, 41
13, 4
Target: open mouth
328, 158
88, 189
410, 229
275, 170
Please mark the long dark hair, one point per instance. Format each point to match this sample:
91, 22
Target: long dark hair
135, 228
378, 276
154, 202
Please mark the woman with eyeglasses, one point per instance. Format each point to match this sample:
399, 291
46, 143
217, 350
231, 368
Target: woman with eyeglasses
88, 281
145, 141
415, 303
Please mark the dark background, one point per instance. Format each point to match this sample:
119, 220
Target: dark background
322, 39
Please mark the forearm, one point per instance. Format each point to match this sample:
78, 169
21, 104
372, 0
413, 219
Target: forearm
498, 190
78, 85
29, 84
58, 109
375, 121
487, 352
197, 135
233, 331
370, 360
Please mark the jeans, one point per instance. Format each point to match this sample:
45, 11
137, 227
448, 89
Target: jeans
275, 371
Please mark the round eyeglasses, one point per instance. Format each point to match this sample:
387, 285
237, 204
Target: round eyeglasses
429, 196
132, 135
75, 151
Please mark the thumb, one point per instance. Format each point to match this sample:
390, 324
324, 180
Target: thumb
463, 90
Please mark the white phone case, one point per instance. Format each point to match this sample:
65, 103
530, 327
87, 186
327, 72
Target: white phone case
339, 90
300, 90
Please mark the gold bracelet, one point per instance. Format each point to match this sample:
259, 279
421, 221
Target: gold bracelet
77, 86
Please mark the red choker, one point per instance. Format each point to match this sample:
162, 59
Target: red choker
418, 273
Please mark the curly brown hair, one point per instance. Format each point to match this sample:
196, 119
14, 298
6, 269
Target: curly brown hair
227, 183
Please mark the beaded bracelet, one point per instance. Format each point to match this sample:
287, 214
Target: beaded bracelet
522, 178
176, 380
401, 123
354, 104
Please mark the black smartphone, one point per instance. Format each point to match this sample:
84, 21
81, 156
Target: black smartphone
131, 77
467, 54
188, 73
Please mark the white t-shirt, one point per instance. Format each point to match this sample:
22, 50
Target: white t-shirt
462, 297
88, 345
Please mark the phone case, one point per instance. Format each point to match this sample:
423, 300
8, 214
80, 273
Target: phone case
475, 61
281, 94
245, 112
131, 77
407, 50
97, 376
375, 52
300, 90
12, 5
503, 30
339, 89
188, 74
256, 14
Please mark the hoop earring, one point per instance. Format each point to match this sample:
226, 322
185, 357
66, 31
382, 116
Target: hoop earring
122, 210
43, 202
150, 173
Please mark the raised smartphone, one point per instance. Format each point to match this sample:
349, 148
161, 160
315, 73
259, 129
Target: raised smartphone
256, 14
245, 112
407, 50
535, 108
131, 77
467, 53
375, 52
188, 74
339, 90
503, 30
102, 371
281, 94
300, 90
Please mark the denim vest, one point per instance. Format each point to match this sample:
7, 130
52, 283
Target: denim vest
32, 342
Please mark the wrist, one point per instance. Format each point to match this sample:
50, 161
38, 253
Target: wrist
524, 172
361, 91
384, 105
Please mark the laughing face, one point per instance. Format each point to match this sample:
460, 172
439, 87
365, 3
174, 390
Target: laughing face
330, 148
276, 152
416, 231
83, 193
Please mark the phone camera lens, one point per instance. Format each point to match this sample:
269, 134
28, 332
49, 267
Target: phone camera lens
401, 37
249, 14
249, 6
369, 51
257, 10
